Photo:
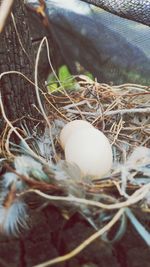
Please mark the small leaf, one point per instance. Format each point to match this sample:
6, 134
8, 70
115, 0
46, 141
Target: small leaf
64, 74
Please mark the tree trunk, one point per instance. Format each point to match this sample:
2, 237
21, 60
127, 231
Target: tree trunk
16, 54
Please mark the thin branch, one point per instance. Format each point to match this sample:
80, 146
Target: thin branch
134, 198
127, 111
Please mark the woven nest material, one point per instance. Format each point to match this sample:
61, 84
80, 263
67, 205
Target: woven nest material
37, 165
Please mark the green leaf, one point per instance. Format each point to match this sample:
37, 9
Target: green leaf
65, 77
52, 87
87, 73
63, 73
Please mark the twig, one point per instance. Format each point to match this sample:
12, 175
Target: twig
127, 111
83, 112
112, 112
19, 39
37, 91
134, 198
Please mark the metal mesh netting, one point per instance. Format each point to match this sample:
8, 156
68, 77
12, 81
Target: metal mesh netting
112, 48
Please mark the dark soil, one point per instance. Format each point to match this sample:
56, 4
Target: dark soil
51, 235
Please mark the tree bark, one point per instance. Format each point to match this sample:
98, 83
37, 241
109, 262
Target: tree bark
16, 54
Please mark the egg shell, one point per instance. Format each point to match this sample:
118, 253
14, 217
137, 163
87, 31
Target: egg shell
90, 149
70, 128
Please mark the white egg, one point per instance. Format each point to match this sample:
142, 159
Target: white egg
72, 127
90, 149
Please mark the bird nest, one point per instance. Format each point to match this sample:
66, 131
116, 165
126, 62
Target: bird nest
37, 166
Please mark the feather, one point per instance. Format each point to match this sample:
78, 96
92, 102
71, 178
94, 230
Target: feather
13, 218
13, 209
